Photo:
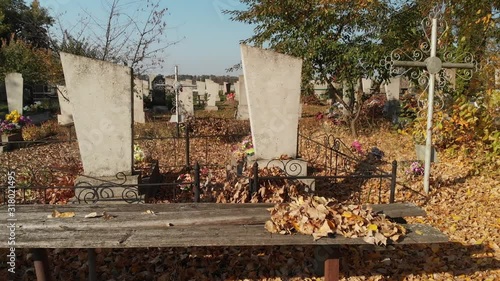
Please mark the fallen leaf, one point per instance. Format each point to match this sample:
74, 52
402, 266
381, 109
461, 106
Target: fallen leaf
56, 214
93, 215
149, 212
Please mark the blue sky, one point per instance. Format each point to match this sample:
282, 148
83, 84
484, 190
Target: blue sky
209, 40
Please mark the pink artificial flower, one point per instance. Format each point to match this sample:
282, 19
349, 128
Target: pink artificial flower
357, 146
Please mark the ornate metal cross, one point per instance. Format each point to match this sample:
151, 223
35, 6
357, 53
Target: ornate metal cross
426, 57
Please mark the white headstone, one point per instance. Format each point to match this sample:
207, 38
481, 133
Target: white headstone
14, 87
217, 97
212, 94
186, 101
319, 88
393, 88
201, 89
66, 116
272, 83
101, 95
139, 101
367, 85
170, 81
242, 113
151, 78
237, 90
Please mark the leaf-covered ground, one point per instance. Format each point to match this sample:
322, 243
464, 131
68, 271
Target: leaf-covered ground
463, 203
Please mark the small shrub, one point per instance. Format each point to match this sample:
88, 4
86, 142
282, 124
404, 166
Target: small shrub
31, 132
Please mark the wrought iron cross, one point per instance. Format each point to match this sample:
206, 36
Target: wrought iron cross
426, 57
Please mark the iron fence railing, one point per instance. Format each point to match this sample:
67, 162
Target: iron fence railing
330, 162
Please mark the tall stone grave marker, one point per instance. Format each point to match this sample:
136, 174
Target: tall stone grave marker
201, 89
393, 88
139, 92
102, 96
242, 113
237, 90
14, 87
66, 116
212, 94
186, 101
272, 84
367, 85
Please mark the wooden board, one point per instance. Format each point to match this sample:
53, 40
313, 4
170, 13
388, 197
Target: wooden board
173, 225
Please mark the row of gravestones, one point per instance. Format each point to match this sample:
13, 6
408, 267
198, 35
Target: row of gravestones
102, 98
206, 91
101, 102
393, 88
14, 89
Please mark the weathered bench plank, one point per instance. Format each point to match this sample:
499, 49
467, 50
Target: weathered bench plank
392, 210
187, 236
173, 225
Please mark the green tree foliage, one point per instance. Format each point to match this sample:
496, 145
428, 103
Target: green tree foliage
37, 65
29, 23
338, 40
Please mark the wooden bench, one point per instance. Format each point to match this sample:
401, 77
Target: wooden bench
176, 225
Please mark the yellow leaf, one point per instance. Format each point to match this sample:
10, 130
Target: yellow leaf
456, 217
418, 232
453, 228
67, 215
347, 214
373, 227
56, 214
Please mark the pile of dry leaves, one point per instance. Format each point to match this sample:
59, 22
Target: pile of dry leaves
321, 217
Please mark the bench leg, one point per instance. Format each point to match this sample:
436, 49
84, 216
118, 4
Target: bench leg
327, 262
41, 261
91, 264
332, 267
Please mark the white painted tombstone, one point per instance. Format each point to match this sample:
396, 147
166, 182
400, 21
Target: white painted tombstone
212, 94
242, 113
393, 88
170, 81
101, 95
236, 87
139, 89
186, 101
151, 78
319, 88
14, 87
367, 85
217, 96
201, 89
272, 84
66, 116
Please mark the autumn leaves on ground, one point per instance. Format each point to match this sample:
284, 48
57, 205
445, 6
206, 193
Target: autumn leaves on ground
463, 204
